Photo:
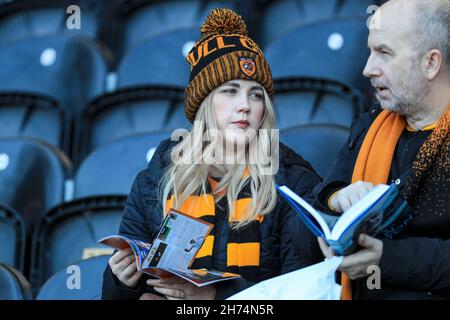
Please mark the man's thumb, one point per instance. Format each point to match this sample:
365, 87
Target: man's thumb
365, 241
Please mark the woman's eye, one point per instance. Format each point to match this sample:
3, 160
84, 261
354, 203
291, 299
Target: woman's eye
229, 90
256, 95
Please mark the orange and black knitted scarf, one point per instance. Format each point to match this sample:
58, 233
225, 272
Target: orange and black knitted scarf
243, 245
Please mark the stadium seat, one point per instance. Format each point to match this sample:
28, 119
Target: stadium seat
319, 144
70, 70
13, 285
36, 117
101, 185
64, 285
159, 60
12, 238
32, 176
277, 17
69, 233
306, 101
27, 19
335, 49
130, 111
111, 168
143, 19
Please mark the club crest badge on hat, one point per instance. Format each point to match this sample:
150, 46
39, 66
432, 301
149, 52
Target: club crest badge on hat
247, 65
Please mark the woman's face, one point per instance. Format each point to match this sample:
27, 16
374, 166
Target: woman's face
238, 108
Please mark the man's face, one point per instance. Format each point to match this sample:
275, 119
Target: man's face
394, 66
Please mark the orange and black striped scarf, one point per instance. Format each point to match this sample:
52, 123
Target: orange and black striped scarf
243, 245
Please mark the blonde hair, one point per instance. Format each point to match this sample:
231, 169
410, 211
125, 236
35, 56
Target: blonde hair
186, 178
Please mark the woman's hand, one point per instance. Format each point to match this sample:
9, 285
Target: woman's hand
175, 288
123, 266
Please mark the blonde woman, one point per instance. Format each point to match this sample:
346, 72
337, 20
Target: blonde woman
223, 171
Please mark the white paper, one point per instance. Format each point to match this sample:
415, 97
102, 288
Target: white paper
316, 282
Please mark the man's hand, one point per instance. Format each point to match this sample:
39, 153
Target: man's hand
355, 265
348, 196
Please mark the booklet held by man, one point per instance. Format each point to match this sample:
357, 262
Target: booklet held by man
173, 250
382, 210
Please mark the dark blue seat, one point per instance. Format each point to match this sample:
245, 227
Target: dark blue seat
101, 185
13, 285
159, 60
127, 112
26, 19
111, 168
68, 69
306, 101
35, 116
143, 19
277, 17
12, 238
32, 176
319, 144
334, 49
89, 286
69, 233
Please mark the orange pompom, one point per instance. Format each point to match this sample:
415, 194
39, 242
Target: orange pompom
223, 21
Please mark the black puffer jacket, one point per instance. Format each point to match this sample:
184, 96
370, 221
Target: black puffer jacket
143, 214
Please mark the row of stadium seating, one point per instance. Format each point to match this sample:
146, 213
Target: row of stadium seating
85, 284
73, 83
81, 112
123, 24
57, 216
297, 102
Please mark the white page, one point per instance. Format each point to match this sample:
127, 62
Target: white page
177, 247
356, 210
305, 205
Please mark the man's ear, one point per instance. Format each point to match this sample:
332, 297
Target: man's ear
432, 64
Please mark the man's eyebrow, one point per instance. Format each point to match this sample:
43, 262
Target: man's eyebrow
259, 88
381, 47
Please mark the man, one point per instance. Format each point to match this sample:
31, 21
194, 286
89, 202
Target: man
405, 142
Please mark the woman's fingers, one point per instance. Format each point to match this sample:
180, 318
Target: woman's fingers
150, 296
130, 270
119, 255
169, 282
174, 293
135, 277
122, 265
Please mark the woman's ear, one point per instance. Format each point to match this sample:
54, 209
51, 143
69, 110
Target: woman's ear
433, 63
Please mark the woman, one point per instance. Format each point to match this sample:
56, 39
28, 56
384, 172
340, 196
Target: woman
223, 171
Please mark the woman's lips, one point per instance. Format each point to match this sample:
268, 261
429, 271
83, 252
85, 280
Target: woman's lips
241, 123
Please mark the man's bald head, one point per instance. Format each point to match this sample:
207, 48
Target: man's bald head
426, 22
409, 64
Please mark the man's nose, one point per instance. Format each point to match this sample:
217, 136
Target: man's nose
371, 69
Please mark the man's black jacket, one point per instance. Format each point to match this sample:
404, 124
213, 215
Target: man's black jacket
415, 266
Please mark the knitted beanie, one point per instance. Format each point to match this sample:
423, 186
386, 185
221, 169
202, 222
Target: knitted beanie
223, 53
